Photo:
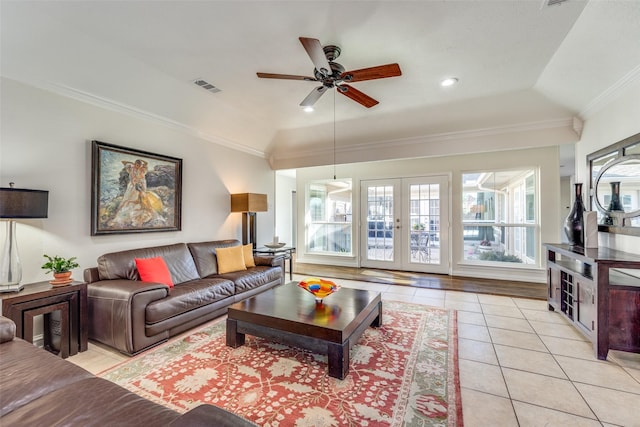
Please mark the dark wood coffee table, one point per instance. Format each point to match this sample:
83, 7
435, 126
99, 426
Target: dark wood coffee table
289, 315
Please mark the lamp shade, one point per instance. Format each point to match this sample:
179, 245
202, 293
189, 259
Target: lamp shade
248, 202
18, 203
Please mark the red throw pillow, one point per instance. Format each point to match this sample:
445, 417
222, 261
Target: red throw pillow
154, 270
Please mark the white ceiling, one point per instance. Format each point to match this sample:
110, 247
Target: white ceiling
519, 63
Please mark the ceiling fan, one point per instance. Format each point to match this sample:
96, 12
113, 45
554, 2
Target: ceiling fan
332, 75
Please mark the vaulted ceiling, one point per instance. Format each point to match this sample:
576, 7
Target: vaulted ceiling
520, 64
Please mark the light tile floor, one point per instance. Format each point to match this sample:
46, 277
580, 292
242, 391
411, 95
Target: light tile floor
520, 365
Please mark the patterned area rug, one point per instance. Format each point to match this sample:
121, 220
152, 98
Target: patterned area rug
404, 373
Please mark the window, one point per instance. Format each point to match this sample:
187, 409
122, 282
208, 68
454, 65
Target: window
329, 217
499, 217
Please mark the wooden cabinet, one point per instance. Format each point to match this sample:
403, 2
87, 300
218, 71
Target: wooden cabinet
598, 290
43, 299
572, 292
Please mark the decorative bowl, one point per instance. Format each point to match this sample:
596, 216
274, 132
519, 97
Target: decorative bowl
320, 288
274, 245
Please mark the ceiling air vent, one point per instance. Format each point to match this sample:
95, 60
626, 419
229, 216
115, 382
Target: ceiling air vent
206, 85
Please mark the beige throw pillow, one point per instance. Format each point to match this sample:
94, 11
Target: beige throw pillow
230, 259
248, 256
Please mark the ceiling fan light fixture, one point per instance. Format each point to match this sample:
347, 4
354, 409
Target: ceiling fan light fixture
449, 81
332, 75
308, 109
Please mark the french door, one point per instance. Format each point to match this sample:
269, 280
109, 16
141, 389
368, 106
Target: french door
405, 224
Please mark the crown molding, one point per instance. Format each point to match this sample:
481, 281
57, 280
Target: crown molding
432, 138
610, 94
466, 134
119, 107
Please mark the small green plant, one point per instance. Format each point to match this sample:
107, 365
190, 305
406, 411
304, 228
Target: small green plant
499, 256
59, 265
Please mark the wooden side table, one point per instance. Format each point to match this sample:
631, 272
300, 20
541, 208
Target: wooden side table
42, 298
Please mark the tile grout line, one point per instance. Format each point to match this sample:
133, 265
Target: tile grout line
506, 385
553, 356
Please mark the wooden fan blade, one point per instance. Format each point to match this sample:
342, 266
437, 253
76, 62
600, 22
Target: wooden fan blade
379, 72
285, 77
316, 53
357, 96
315, 94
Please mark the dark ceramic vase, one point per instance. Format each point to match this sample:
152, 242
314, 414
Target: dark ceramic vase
574, 224
615, 205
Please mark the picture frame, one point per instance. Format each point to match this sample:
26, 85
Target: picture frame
134, 191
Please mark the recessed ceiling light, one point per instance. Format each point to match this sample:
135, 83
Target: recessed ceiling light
449, 81
308, 109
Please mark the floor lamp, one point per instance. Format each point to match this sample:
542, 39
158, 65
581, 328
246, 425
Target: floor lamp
17, 203
249, 204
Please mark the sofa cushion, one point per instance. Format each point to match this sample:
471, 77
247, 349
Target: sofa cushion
188, 296
154, 270
230, 259
121, 265
247, 251
253, 278
204, 255
90, 402
27, 375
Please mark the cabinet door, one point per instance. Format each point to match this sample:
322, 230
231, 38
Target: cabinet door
586, 304
553, 285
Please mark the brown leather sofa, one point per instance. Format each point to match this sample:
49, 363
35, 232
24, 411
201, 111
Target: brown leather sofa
131, 316
38, 388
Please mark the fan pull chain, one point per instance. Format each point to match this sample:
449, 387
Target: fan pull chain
334, 135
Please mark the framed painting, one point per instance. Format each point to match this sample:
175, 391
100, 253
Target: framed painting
134, 191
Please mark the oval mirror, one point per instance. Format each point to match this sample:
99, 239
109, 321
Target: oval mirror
617, 191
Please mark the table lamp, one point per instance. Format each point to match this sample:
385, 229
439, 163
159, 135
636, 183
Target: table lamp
17, 203
249, 204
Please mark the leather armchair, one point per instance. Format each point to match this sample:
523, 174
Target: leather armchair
39, 388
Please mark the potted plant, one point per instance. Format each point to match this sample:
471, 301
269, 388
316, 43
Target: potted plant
61, 268
484, 246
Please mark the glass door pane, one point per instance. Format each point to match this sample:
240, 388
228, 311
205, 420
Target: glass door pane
380, 220
424, 219
379, 237
426, 213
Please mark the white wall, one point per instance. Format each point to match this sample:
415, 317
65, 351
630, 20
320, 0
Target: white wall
285, 185
546, 158
617, 121
45, 144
